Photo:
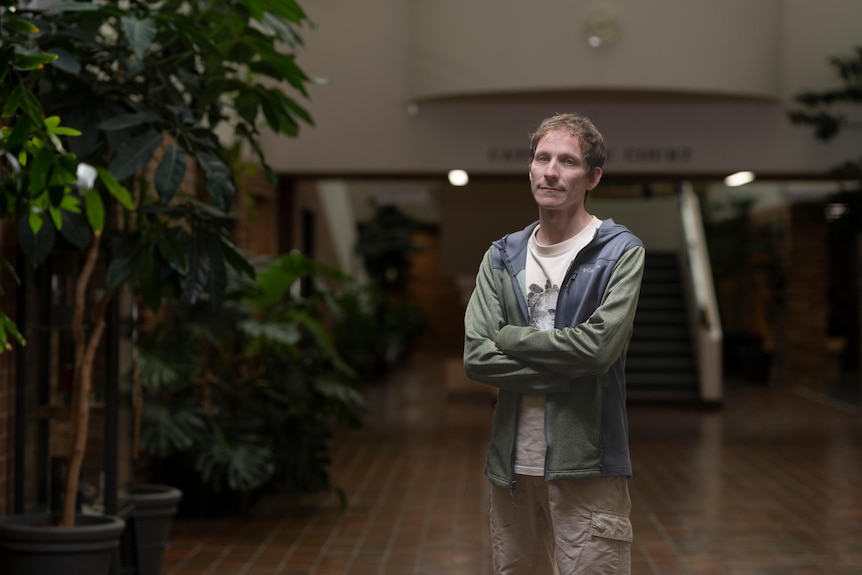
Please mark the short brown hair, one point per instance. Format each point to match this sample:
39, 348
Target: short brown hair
591, 140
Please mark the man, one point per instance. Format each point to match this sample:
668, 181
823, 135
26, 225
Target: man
548, 324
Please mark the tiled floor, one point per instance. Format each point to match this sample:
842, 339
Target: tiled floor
769, 483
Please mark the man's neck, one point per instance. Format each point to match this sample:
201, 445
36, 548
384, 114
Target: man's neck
556, 227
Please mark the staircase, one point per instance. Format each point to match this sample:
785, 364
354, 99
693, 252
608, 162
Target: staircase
661, 364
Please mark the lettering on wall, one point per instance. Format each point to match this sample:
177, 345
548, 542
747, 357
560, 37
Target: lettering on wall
653, 155
504, 155
635, 155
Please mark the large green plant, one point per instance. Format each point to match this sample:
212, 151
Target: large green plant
42, 184
251, 394
159, 90
385, 244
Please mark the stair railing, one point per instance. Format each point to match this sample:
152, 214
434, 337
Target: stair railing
706, 323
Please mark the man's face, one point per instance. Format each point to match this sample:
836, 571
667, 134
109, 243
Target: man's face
558, 173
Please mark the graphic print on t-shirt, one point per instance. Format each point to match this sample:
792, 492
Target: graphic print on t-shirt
542, 304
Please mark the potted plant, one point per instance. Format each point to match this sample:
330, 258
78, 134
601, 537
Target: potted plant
386, 244
248, 397
45, 191
151, 87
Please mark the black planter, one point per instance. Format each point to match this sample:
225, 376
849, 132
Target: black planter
35, 545
153, 511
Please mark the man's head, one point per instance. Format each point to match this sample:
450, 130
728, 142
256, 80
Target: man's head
565, 164
592, 143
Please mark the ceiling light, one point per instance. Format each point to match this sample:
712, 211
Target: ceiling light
458, 178
739, 179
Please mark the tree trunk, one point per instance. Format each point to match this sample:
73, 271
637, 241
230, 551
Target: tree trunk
85, 354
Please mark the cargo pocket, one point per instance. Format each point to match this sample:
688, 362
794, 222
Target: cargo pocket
609, 553
611, 526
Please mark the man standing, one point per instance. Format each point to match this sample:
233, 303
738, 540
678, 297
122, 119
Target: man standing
548, 324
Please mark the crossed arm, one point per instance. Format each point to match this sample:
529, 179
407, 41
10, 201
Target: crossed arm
524, 359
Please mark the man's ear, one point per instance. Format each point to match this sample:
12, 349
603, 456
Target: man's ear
594, 181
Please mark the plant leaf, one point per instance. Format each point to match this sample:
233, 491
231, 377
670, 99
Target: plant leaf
36, 241
40, 170
124, 121
170, 172
171, 248
31, 106
234, 256
32, 61
13, 101
168, 430
95, 210
140, 34
219, 179
222, 191
73, 6
15, 24
75, 229
133, 155
117, 190
122, 267
244, 465
286, 334
23, 129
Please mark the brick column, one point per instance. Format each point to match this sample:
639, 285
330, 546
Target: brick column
803, 355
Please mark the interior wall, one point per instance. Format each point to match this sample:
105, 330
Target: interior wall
481, 212
364, 123
307, 200
640, 50
477, 214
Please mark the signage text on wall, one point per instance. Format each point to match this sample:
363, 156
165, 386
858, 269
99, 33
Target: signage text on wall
634, 155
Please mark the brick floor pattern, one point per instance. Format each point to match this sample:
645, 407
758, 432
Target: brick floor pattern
768, 483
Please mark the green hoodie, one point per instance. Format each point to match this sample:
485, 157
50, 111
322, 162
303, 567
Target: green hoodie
579, 365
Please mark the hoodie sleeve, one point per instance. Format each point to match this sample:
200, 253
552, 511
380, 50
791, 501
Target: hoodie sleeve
484, 361
593, 346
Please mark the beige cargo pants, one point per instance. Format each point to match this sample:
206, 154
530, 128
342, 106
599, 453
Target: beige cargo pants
562, 527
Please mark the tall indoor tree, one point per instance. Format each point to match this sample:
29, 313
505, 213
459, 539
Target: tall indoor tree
160, 92
832, 111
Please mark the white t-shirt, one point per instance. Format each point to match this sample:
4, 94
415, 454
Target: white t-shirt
546, 268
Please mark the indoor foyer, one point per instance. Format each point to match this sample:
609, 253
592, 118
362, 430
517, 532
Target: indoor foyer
768, 483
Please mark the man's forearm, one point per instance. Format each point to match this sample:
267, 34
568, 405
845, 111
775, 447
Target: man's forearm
591, 347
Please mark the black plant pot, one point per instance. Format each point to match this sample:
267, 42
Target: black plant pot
153, 511
35, 545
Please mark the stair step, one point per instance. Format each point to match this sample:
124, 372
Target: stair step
661, 317
663, 395
674, 380
660, 347
661, 290
660, 331
659, 364
658, 302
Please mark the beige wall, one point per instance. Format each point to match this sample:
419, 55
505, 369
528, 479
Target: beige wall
367, 53
731, 47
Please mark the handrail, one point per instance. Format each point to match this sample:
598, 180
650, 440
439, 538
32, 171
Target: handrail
706, 325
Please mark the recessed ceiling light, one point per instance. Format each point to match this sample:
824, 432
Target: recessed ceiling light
739, 179
458, 178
